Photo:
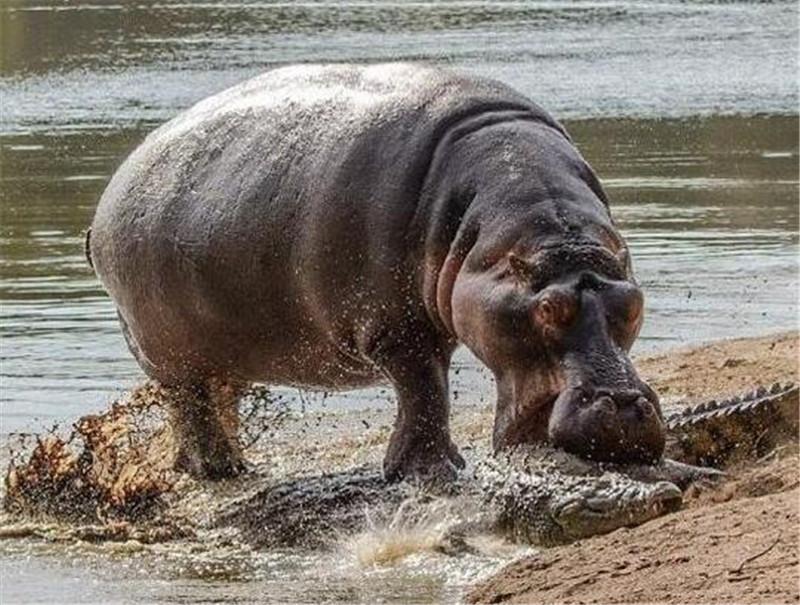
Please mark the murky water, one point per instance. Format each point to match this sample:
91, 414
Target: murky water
688, 111
171, 574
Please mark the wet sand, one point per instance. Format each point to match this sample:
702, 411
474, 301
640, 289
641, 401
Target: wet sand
737, 543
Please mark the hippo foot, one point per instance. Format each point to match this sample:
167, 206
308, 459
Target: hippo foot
210, 465
429, 462
204, 422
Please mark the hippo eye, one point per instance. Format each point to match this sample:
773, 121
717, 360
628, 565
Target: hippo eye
625, 314
555, 309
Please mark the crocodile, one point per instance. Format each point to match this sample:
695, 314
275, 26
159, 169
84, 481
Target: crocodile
529, 493
715, 432
533, 494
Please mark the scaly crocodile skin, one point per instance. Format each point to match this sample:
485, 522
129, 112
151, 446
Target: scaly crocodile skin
713, 432
533, 494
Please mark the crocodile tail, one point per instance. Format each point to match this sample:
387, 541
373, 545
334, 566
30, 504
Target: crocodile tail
87, 249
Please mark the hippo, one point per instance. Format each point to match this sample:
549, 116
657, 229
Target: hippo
338, 226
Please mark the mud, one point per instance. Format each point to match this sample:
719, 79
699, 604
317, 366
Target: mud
114, 466
110, 477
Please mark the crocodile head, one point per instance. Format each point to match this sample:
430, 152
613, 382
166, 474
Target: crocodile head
600, 505
547, 497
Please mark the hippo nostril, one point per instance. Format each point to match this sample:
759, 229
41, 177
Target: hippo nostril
625, 398
645, 407
605, 405
639, 409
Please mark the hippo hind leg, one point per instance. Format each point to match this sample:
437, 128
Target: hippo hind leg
204, 422
420, 446
204, 418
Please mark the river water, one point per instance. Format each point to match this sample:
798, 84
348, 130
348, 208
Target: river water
687, 110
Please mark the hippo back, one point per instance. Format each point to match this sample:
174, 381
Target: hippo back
278, 215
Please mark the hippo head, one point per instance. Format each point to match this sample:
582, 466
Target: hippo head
555, 327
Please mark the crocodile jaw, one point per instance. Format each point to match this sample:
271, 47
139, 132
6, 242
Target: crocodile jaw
558, 511
610, 502
548, 497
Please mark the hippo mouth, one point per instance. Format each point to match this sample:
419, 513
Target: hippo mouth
621, 425
608, 425
523, 422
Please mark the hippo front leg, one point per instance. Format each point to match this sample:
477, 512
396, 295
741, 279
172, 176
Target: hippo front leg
420, 445
204, 422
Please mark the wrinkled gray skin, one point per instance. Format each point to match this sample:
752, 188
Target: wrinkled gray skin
338, 226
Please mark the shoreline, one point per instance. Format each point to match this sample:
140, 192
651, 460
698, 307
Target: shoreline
326, 441
736, 543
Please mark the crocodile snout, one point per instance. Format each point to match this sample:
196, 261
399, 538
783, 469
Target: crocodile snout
617, 502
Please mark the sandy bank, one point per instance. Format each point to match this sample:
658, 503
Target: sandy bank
737, 543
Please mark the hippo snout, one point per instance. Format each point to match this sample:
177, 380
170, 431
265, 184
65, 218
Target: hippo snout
608, 425
630, 406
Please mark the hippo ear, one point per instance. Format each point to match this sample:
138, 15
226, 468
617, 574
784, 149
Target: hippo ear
519, 267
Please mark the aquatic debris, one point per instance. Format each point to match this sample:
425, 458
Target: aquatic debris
113, 466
